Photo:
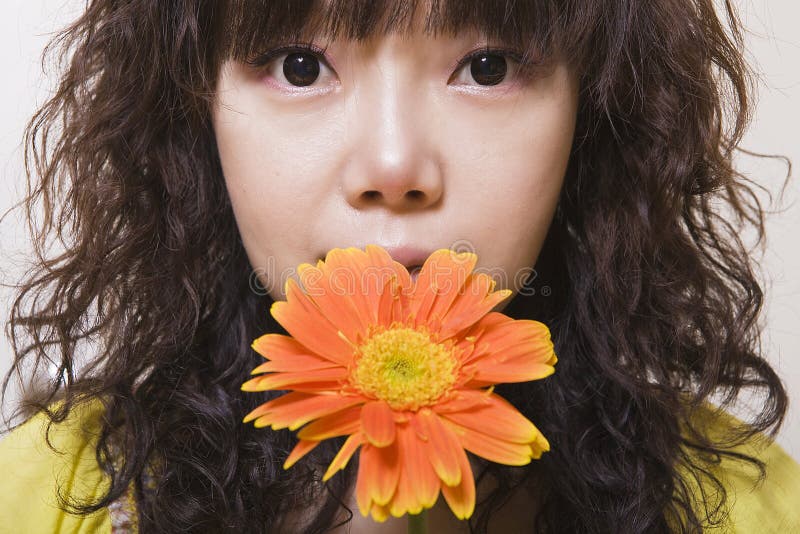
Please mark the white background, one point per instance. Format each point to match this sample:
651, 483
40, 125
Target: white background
773, 49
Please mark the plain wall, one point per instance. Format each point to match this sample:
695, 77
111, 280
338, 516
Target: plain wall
774, 49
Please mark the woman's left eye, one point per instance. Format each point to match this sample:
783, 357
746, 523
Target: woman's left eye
486, 68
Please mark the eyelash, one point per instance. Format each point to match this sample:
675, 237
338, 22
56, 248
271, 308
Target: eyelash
264, 59
489, 51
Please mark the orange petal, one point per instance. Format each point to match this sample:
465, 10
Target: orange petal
473, 302
339, 462
508, 350
277, 347
491, 448
302, 448
306, 363
333, 289
353, 287
390, 306
461, 498
440, 280
379, 513
539, 446
492, 414
363, 491
464, 399
404, 499
377, 423
359, 277
381, 467
286, 354
519, 370
303, 320
379, 257
422, 315
295, 409
420, 470
439, 448
381, 262
490, 320
506, 338
277, 381
347, 421
418, 486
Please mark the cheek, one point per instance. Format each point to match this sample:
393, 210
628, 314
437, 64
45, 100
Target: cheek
271, 176
515, 176
256, 189
258, 192
514, 152
257, 164
273, 181
265, 146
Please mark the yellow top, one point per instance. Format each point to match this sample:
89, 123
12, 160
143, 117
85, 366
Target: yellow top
30, 472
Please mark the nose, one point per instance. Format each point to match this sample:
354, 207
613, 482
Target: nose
392, 162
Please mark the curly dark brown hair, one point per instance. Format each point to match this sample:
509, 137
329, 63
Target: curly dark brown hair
149, 307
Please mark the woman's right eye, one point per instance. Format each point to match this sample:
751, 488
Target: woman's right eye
302, 69
294, 67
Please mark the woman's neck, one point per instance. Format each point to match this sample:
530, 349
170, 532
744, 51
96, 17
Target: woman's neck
515, 515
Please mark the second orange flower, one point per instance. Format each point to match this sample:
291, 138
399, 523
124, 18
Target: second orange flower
403, 369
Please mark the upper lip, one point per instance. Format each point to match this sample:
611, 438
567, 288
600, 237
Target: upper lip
408, 255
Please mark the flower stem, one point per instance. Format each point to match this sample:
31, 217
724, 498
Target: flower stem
418, 523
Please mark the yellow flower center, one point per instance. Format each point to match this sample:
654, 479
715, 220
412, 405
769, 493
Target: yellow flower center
404, 367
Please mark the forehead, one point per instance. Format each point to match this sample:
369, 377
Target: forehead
248, 27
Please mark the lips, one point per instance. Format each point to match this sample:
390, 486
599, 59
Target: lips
412, 258
409, 256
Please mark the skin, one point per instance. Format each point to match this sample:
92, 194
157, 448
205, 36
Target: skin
332, 164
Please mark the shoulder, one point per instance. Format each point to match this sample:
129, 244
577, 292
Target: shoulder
768, 505
33, 473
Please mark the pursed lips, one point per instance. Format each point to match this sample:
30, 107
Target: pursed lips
411, 257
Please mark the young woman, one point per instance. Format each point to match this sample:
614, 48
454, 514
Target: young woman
195, 153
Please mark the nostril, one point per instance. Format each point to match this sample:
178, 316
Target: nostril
372, 195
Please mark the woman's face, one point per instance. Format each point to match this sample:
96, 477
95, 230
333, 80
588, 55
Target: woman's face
388, 142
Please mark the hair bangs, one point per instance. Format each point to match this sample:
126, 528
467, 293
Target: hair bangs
540, 29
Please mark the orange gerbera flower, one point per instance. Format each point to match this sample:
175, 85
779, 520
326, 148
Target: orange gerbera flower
402, 369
